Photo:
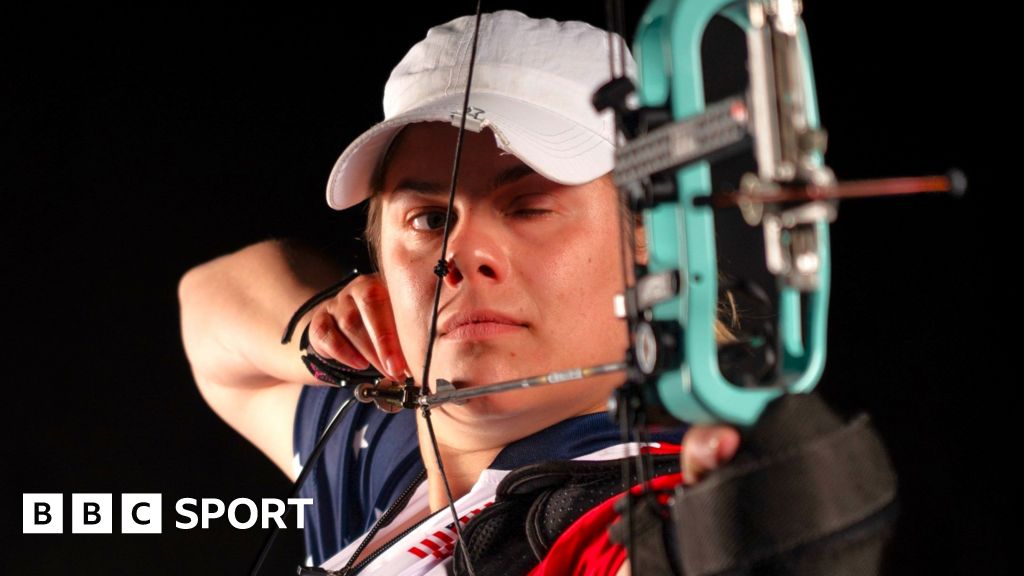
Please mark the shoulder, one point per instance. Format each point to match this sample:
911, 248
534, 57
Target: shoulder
365, 464
596, 543
557, 514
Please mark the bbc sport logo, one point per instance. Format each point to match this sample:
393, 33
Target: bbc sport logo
143, 514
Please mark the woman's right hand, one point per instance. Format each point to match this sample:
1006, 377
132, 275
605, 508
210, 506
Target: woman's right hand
357, 328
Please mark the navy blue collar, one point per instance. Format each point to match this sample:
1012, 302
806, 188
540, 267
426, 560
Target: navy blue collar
569, 439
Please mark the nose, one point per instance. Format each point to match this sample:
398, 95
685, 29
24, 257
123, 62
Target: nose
475, 254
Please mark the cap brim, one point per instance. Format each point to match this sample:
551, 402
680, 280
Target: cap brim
557, 147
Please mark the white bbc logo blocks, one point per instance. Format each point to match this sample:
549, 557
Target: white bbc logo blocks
42, 513
140, 514
92, 513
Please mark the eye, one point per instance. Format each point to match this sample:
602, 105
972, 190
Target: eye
532, 205
528, 212
429, 221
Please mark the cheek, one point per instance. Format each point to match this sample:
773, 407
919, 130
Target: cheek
576, 278
410, 283
584, 269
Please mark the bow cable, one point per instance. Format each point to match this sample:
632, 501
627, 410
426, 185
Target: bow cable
628, 397
441, 270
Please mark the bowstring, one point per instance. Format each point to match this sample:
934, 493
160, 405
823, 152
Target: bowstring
441, 271
615, 23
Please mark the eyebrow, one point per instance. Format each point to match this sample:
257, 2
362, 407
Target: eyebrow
503, 178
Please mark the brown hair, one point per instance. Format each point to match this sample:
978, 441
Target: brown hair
373, 207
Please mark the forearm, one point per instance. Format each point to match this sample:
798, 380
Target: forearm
235, 307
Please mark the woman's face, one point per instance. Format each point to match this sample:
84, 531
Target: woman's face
534, 266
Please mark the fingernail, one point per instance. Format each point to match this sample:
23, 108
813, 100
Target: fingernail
391, 363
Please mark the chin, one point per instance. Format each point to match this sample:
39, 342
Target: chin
481, 367
477, 409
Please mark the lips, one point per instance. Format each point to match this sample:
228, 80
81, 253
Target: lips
478, 324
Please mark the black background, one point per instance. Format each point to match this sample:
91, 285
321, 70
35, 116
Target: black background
139, 144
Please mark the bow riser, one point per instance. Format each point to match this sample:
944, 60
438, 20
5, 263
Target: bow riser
778, 116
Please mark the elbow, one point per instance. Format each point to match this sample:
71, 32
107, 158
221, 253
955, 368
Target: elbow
190, 298
199, 342
188, 287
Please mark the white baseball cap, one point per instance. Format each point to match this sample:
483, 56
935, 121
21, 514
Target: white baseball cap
532, 86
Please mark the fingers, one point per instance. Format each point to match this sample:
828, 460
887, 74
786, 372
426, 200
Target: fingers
327, 338
357, 328
374, 304
705, 448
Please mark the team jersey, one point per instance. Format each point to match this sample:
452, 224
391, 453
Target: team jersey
374, 457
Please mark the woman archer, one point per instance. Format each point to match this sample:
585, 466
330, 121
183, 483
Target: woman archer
533, 264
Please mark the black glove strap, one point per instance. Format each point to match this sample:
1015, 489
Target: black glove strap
329, 370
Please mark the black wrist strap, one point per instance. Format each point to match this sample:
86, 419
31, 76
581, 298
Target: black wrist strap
329, 370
